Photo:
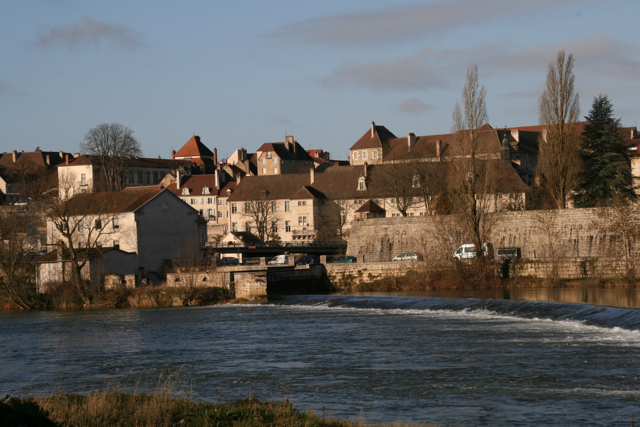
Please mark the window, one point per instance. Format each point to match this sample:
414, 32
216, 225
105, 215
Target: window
302, 221
185, 191
83, 179
268, 154
65, 228
416, 181
81, 226
148, 177
264, 162
116, 223
234, 227
211, 213
98, 224
287, 226
234, 208
201, 201
201, 212
247, 226
140, 177
275, 160
361, 186
219, 214
274, 206
205, 190
247, 208
287, 206
193, 201
375, 154
274, 226
355, 155
364, 155
302, 203
209, 200
155, 177
264, 171
275, 170
226, 229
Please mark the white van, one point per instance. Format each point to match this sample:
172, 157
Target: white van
468, 251
280, 260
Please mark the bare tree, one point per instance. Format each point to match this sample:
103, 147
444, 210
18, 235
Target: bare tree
187, 269
549, 228
334, 218
427, 183
77, 225
621, 222
473, 187
18, 245
262, 219
114, 145
559, 111
400, 182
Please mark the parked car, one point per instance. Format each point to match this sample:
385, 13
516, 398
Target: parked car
227, 261
280, 260
308, 259
468, 251
343, 259
408, 256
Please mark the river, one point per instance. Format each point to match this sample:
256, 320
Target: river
381, 359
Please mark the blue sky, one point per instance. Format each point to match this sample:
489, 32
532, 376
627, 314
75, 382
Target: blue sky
241, 73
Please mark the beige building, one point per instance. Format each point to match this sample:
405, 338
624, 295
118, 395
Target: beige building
279, 158
155, 225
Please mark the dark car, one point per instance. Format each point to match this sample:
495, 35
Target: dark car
227, 261
344, 259
308, 259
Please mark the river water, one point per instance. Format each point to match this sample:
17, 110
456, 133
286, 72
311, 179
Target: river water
381, 359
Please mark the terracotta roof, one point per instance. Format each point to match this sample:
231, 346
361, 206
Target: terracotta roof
194, 148
278, 186
196, 185
228, 186
380, 137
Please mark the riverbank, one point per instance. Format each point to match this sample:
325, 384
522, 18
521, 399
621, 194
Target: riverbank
64, 297
159, 409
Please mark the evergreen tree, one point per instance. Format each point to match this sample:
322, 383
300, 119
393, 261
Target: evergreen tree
606, 175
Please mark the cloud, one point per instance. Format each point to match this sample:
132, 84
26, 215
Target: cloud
90, 31
282, 121
414, 105
411, 22
597, 57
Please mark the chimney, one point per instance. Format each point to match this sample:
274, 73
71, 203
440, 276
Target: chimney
312, 174
365, 169
15, 156
76, 155
177, 179
215, 156
173, 154
61, 154
439, 149
66, 158
373, 129
411, 141
158, 157
48, 160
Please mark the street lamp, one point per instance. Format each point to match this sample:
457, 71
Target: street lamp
401, 235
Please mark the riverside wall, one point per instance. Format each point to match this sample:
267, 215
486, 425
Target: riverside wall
561, 235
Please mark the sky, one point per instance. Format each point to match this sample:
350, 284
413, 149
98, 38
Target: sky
241, 73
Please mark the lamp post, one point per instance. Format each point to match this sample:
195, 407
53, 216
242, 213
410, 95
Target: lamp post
401, 235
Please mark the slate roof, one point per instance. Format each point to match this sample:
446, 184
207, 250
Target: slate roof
33, 162
140, 162
281, 151
370, 206
110, 202
196, 185
194, 148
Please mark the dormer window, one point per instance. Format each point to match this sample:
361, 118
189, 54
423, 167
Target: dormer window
362, 185
185, 191
263, 194
205, 190
228, 193
416, 181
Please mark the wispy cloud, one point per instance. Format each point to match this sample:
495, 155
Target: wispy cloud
282, 121
414, 105
88, 31
411, 21
597, 57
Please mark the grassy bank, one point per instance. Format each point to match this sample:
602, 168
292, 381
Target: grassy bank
114, 408
65, 297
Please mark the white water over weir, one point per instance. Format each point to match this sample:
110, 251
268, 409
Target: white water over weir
385, 359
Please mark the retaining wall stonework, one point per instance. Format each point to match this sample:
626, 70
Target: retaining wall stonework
541, 235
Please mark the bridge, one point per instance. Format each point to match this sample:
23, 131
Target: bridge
271, 249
